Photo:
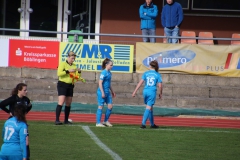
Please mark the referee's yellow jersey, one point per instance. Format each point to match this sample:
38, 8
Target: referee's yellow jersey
69, 78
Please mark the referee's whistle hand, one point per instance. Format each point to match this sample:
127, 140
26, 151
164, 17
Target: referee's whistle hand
72, 70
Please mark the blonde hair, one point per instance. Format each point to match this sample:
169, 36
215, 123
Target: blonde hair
71, 53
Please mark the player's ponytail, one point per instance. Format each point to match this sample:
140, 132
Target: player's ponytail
154, 64
105, 62
19, 87
20, 112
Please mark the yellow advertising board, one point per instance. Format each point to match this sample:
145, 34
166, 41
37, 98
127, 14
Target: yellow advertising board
90, 56
221, 60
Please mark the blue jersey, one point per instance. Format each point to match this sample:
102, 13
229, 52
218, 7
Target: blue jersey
151, 78
106, 77
14, 138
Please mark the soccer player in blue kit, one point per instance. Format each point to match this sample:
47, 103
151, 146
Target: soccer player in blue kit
152, 79
18, 96
105, 94
14, 136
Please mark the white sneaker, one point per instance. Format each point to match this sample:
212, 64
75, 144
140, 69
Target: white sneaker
107, 124
100, 125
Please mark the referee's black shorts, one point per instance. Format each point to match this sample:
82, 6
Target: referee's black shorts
65, 89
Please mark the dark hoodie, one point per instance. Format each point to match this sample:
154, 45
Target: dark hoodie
172, 15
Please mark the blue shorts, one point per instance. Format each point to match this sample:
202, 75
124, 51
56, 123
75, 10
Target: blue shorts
107, 99
149, 98
11, 157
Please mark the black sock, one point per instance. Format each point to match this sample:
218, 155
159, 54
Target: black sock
58, 112
28, 152
67, 112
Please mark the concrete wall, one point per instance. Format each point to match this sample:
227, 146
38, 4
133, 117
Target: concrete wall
179, 90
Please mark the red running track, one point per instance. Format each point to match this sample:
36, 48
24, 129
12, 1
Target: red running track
136, 120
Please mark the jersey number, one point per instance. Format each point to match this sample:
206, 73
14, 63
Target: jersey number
150, 81
101, 76
7, 135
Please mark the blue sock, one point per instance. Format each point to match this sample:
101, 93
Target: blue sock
99, 115
151, 118
145, 116
107, 114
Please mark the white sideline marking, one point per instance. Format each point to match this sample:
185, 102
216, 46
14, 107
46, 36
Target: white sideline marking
114, 155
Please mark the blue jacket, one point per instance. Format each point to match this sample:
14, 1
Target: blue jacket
148, 16
172, 15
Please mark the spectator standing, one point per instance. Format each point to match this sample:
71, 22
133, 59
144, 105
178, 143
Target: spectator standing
171, 18
148, 13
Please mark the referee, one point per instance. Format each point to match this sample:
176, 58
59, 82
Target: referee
68, 74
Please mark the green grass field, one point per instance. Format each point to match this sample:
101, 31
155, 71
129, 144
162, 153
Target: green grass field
50, 142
